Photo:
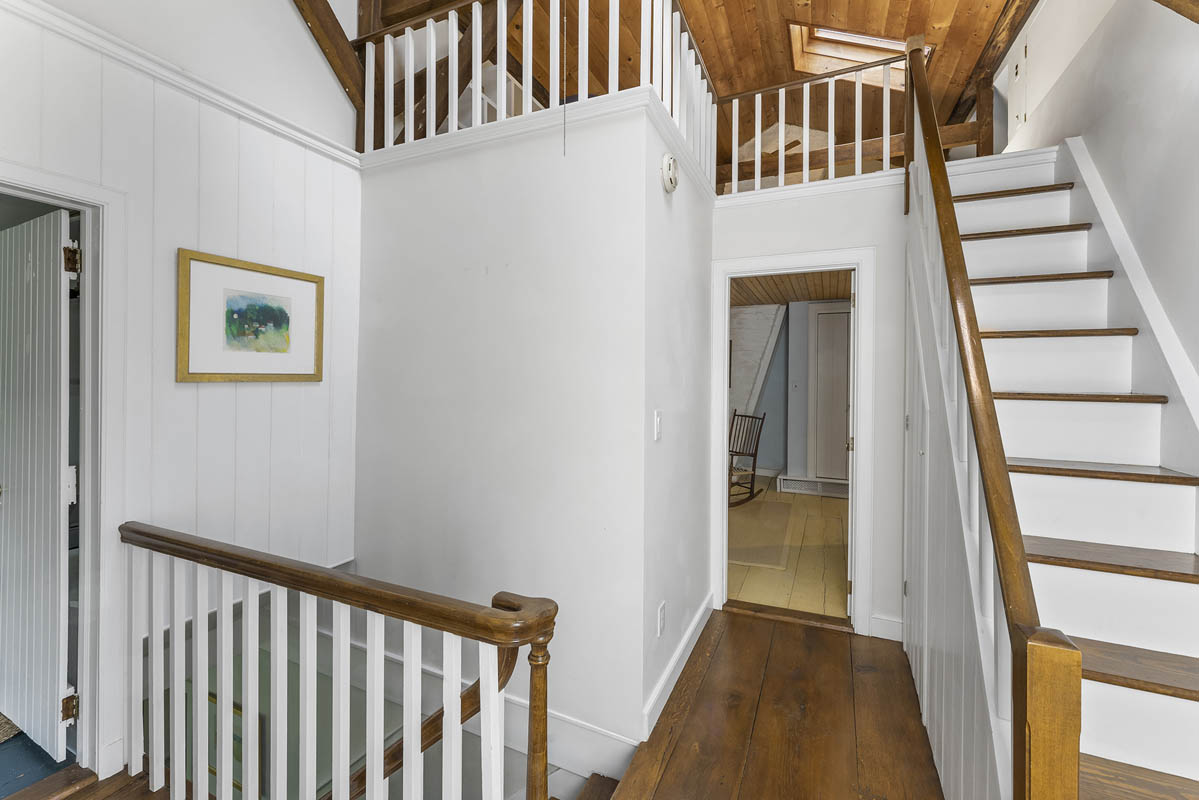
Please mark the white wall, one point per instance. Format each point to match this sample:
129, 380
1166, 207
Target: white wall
797, 388
1132, 93
260, 51
269, 466
834, 217
753, 331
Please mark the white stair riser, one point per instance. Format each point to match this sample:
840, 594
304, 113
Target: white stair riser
1002, 177
1130, 513
1060, 364
1116, 433
1019, 211
1142, 612
1026, 255
1051, 304
1149, 730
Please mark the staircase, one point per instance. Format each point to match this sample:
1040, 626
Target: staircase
1109, 532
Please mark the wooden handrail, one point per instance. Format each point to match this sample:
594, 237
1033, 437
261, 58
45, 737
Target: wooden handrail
1046, 666
823, 76
514, 621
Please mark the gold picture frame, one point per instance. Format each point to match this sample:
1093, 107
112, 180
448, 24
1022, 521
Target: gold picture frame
183, 336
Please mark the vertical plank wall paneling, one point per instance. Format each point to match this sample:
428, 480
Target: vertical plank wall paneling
266, 466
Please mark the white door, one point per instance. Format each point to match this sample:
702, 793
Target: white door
34, 387
829, 432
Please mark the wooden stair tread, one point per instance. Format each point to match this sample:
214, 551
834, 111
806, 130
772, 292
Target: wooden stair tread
1053, 333
1101, 779
1083, 397
598, 787
1014, 232
64, 783
1049, 187
1137, 668
1164, 565
1046, 277
1101, 471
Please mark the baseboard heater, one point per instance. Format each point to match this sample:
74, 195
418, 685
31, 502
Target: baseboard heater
821, 486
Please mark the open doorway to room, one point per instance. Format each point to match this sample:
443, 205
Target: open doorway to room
791, 364
40, 425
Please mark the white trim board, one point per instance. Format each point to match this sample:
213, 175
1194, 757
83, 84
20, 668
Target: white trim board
71, 27
862, 259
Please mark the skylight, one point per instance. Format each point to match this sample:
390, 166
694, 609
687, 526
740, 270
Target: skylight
861, 39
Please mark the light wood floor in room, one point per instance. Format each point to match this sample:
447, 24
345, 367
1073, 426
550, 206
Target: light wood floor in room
816, 577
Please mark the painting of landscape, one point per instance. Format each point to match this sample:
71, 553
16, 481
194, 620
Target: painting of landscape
257, 323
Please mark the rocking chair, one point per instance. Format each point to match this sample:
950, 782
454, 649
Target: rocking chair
745, 432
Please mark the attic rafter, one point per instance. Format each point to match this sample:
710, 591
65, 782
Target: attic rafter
1011, 20
333, 42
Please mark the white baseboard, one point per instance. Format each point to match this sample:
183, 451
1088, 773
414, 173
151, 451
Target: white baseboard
670, 675
886, 627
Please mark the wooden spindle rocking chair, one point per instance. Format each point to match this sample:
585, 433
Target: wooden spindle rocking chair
745, 431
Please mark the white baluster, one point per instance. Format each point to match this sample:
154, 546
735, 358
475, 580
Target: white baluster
1003, 657
414, 766
758, 141
683, 82
670, 49
613, 46
160, 574
658, 48
807, 97
491, 723
224, 687
250, 647
555, 53
857, 123
409, 88
647, 75
735, 135
476, 65
712, 123
526, 58
674, 62
986, 565
137, 573
501, 59
200, 755
178, 679
832, 128
451, 741
307, 754
368, 112
431, 78
376, 786
278, 692
389, 85
584, 56
341, 701
782, 137
886, 116
452, 72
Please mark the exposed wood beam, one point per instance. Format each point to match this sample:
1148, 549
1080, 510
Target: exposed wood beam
370, 15
1188, 8
334, 43
1011, 20
965, 133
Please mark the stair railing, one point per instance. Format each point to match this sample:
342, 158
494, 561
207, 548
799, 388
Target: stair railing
1045, 669
162, 561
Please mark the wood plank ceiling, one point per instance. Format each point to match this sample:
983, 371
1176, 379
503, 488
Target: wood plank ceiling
791, 288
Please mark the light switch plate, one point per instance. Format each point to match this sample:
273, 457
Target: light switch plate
657, 424
661, 618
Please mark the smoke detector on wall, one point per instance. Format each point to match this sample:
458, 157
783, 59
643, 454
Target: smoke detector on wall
670, 173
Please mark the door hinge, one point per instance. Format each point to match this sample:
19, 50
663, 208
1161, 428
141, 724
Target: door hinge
70, 708
849, 445
72, 260
905, 588
71, 486
853, 299
849, 587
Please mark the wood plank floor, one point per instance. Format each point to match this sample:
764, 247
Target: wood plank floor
815, 578
768, 710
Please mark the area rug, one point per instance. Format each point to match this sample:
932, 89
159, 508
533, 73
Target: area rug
758, 534
7, 729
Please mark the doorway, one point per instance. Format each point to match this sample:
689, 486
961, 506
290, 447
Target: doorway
793, 350
790, 345
40, 446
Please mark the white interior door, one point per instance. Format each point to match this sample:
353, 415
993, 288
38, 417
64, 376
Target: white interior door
830, 390
34, 387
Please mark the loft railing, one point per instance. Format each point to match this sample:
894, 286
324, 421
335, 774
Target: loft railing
1044, 666
162, 561
505, 58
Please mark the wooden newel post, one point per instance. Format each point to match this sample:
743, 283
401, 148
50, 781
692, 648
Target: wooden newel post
1046, 715
539, 659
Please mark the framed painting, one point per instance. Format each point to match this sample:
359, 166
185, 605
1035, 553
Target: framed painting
241, 321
